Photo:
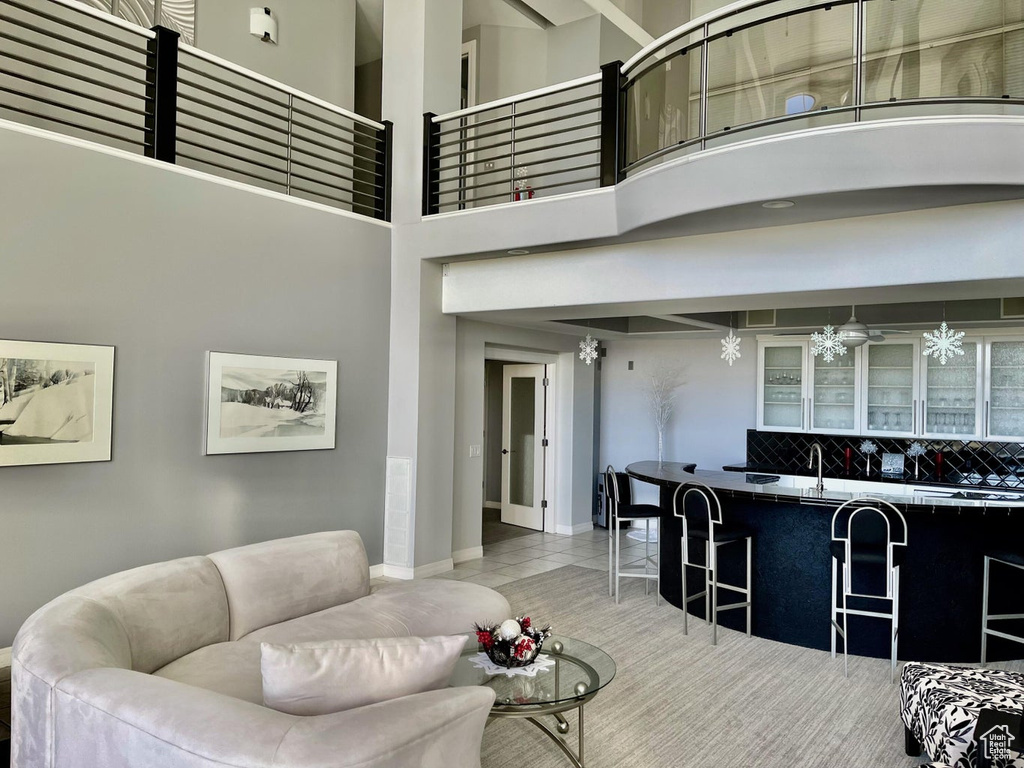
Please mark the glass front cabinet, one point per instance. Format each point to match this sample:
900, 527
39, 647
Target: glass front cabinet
890, 389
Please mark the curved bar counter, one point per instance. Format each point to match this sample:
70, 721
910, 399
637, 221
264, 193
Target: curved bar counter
941, 580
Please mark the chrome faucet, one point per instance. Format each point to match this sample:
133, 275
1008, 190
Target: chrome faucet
816, 448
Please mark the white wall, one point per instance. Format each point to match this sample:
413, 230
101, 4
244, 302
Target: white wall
165, 266
315, 51
574, 384
713, 409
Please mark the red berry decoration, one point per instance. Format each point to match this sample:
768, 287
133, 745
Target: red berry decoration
525, 623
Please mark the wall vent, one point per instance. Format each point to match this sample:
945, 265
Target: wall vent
1011, 309
398, 512
760, 318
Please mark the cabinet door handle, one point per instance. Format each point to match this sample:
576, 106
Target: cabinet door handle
985, 424
803, 412
913, 427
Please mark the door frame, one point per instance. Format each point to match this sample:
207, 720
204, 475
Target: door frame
542, 374
556, 448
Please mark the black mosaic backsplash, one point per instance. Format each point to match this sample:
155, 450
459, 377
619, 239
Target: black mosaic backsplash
986, 464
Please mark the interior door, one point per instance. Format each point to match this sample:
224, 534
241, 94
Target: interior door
522, 446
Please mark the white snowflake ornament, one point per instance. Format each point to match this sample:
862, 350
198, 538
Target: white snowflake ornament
828, 344
731, 347
943, 343
588, 349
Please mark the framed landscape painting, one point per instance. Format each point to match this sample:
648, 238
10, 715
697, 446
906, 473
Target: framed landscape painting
56, 402
257, 404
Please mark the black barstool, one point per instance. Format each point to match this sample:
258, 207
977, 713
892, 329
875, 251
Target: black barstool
1013, 560
701, 513
869, 539
621, 509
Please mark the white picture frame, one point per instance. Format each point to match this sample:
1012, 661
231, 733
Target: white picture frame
56, 402
253, 404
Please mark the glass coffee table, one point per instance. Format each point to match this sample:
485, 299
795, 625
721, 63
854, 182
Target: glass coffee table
579, 671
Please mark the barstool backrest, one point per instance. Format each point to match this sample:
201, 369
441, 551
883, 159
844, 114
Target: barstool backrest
868, 525
698, 506
617, 490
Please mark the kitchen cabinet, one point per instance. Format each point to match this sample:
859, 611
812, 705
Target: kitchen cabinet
1004, 389
891, 388
951, 406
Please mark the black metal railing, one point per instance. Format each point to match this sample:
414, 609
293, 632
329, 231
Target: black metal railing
70, 68
746, 71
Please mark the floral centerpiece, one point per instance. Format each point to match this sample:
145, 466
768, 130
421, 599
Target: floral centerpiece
916, 451
868, 447
513, 643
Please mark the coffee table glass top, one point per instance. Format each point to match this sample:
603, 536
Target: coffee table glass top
578, 662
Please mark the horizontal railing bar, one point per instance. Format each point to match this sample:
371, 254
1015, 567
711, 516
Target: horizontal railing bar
506, 168
569, 85
202, 131
535, 189
525, 138
230, 169
232, 155
532, 176
78, 110
826, 4
282, 103
334, 186
230, 127
95, 13
659, 153
518, 128
72, 92
353, 168
71, 41
350, 177
328, 147
489, 121
319, 132
78, 126
365, 129
279, 86
74, 75
343, 201
218, 108
662, 61
517, 153
91, 32
72, 57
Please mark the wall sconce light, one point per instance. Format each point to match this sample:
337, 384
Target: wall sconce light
263, 24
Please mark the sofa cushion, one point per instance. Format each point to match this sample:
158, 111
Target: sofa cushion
422, 608
229, 668
167, 609
275, 581
333, 676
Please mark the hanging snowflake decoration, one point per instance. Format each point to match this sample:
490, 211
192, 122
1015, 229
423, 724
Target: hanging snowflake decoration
828, 344
943, 343
731, 347
588, 349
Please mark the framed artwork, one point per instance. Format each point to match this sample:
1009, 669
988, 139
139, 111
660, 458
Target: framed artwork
892, 464
256, 404
56, 402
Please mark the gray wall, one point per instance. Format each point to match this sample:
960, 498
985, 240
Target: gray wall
713, 410
315, 51
94, 254
368, 88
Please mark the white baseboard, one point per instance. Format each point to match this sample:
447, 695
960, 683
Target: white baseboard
492, 505
419, 572
462, 555
376, 571
572, 530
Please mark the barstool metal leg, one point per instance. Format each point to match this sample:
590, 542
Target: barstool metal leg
832, 605
616, 559
647, 555
686, 603
750, 583
846, 627
984, 614
611, 537
895, 620
657, 581
713, 586
707, 583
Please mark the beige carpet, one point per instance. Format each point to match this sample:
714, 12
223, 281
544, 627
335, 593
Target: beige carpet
678, 701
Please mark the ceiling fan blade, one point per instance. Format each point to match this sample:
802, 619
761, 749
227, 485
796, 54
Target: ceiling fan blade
793, 333
888, 330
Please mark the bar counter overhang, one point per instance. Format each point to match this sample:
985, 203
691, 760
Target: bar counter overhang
940, 581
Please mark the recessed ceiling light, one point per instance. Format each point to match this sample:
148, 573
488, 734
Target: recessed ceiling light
778, 204
518, 252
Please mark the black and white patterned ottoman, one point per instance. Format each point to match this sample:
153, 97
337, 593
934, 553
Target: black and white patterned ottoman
940, 706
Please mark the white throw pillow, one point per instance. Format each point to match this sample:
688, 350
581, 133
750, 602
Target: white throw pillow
323, 677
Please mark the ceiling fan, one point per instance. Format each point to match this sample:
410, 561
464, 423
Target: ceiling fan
854, 333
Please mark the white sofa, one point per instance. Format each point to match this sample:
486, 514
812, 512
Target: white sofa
160, 665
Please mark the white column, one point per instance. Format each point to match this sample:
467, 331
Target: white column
422, 68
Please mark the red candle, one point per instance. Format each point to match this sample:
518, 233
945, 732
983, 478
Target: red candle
938, 464
847, 455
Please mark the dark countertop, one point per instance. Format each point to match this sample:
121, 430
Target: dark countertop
671, 473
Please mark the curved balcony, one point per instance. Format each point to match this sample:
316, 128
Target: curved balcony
753, 69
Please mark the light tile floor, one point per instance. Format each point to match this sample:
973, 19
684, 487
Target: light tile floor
518, 558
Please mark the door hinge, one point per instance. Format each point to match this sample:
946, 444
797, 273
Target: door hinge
546, 381
544, 443
544, 504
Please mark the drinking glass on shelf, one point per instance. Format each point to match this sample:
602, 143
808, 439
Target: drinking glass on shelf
885, 421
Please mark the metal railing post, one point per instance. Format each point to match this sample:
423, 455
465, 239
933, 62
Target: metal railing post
291, 134
431, 165
858, 63
383, 162
162, 95
703, 116
612, 123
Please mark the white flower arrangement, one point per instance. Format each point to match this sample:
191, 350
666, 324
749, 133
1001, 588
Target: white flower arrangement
916, 449
868, 447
